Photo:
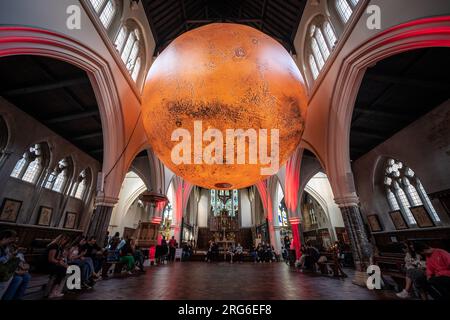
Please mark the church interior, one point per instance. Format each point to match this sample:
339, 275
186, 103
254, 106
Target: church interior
102, 102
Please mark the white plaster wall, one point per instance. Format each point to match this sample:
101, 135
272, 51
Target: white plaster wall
245, 209
132, 187
321, 186
203, 209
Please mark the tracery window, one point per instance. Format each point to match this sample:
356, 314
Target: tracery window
59, 177
30, 166
404, 190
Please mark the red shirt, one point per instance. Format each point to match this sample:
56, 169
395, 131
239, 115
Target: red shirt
438, 264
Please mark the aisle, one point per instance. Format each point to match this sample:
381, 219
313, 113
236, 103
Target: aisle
203, 281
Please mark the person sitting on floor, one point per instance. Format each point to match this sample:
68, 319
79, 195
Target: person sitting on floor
57, 264
415, 267
126, 257
254, 254
437, 270
238, 253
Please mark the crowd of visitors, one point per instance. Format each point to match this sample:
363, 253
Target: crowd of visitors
427, 269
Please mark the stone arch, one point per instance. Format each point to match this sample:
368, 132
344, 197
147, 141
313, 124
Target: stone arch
422, 33
17, 40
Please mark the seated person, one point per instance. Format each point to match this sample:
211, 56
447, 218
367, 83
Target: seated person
415, 267
8, 261
230, 252
126, 256
437, 270
95, 253
268, 253
238, 253
261, 252
57, 264
19, 283
138, 255
76, 257
254, 254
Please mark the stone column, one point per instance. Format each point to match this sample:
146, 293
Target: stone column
296, 239
101, 217
360, 246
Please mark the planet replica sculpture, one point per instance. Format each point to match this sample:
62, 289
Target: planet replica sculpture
224, 106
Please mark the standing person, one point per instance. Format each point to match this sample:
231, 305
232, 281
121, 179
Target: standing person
8, 261
57, 264
286, 248
338, 271
172, 248
415, 267
438, 270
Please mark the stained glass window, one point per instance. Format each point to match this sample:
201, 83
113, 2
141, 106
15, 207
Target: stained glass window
227, 200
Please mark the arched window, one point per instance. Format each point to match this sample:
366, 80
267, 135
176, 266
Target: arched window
30, 166
128, 44
225, 201
345, 9
402, 194
106, 10
81, 185
322, 40
58, 179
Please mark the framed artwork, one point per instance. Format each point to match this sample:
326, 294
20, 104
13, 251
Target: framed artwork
422, 217
45, 215
10, 210
71, 218
398, 220
374, 223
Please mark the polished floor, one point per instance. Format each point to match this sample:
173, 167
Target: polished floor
203, 281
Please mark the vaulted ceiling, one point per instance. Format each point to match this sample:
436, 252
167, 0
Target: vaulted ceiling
396, 92
57, 94
277, 18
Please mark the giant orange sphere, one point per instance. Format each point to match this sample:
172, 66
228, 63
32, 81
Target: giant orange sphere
224, 106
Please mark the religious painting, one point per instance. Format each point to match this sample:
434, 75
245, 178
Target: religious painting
45, 214
398, 220
10, 210
70, 220
374, 223
422, 217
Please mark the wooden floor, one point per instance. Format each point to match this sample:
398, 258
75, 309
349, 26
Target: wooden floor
203, 281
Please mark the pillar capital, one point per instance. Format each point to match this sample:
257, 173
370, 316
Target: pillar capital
295, 220
105, 201
348, 200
